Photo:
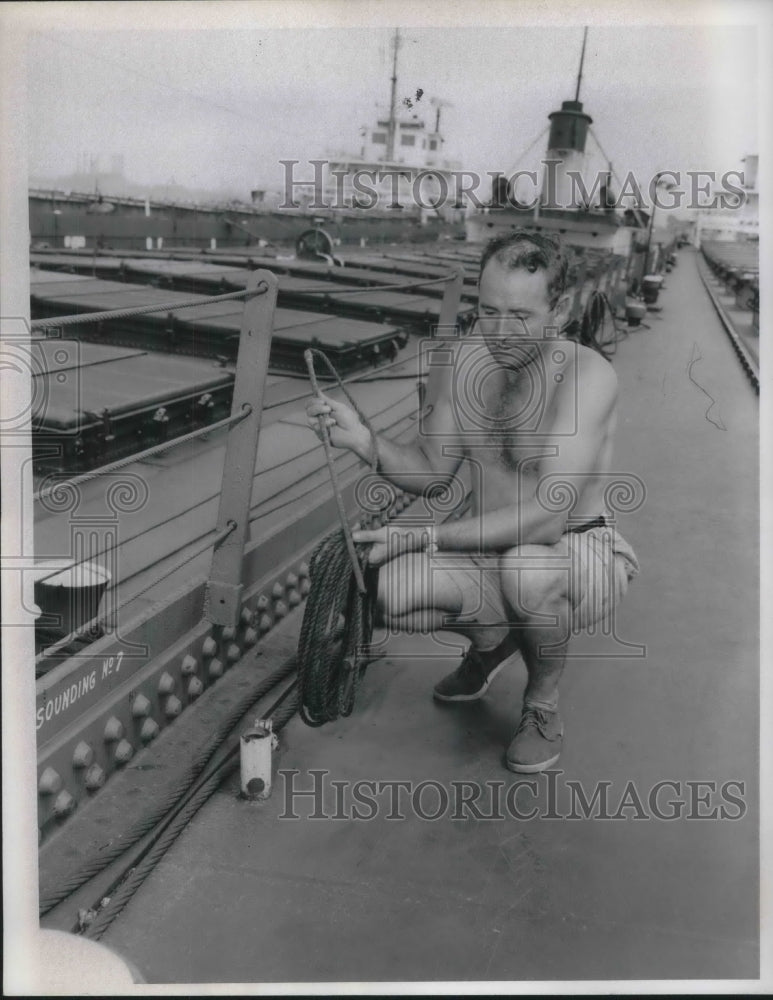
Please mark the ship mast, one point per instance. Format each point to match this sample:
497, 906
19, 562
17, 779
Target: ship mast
390, 150
582, 60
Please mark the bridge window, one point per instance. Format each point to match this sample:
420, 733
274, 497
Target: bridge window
379, 138
407, 140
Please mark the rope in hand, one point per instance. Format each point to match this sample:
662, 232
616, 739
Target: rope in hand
338, 618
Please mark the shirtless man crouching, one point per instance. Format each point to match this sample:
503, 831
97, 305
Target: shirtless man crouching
533, 414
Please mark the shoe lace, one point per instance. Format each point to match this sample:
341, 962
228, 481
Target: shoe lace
471, 660
538, 719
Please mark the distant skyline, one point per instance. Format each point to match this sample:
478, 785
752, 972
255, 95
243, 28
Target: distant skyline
218, 109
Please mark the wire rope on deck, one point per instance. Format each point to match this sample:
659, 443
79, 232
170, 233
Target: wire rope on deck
174, 824
98, 856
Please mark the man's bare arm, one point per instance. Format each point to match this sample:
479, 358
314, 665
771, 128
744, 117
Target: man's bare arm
414, 465
580, 428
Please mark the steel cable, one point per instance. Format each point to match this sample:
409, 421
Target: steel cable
99, 857
176, 822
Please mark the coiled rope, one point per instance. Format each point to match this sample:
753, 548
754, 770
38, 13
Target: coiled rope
336, 631
338, 618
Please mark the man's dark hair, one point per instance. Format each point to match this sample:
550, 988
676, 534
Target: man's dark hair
531, 251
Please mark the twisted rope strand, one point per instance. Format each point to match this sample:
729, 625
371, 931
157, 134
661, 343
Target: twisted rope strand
309, 356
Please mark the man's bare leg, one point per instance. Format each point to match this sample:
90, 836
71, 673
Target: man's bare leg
538, 597
413, 597
544, 650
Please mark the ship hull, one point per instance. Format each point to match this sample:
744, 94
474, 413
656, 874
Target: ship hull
589, 230
75, 221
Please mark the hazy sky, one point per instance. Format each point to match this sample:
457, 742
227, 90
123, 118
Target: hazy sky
222, 107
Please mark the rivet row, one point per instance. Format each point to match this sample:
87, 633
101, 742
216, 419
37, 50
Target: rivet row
256, 621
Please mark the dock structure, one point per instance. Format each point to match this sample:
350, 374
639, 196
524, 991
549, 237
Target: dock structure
658, 880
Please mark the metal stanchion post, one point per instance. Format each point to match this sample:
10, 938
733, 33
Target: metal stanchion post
225, 577
449, 308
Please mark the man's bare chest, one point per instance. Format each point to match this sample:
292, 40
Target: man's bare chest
507, 422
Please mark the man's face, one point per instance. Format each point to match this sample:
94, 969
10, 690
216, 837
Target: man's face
513, 313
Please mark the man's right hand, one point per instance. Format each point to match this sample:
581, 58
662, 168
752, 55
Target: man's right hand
344, 426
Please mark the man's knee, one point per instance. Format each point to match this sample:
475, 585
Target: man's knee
534, 580
398, 585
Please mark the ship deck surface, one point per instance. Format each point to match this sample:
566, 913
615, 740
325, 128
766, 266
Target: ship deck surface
245, 895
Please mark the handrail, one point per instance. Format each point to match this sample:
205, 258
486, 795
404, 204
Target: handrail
95, 317
743, 354
369, 288
224, 587
255, 513
139, 456
97, 621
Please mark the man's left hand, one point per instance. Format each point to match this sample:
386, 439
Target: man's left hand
390, 541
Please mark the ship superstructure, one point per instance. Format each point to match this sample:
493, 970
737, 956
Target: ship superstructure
568, 202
